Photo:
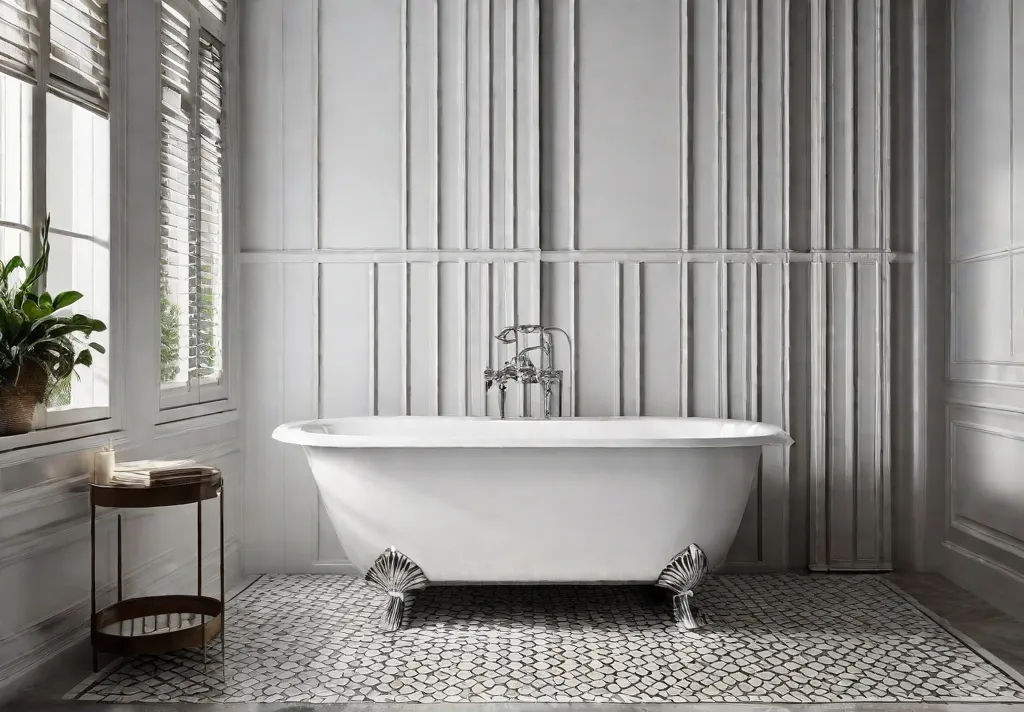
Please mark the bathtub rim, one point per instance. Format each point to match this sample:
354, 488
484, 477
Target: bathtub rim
295, 433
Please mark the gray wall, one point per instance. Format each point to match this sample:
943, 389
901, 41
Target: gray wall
697, 191
983, 527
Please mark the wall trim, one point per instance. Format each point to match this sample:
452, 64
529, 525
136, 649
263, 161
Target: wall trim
68, 446
42, 495
980, 530
737, 256
998, 584
49, 537
980, 405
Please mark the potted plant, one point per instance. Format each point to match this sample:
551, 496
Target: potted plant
41, 341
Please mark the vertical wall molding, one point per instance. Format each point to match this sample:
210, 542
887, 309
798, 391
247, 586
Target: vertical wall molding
685, 213
818, 454
851, 451
372, 340
723, 155
403, 113
436, 117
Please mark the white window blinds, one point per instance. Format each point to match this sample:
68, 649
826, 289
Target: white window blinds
191, 250
210, 191
219, 8
78, 51
77, 66
19, 38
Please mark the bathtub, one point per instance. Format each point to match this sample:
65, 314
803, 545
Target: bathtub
434, 500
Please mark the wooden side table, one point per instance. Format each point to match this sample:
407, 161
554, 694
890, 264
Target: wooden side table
132, 626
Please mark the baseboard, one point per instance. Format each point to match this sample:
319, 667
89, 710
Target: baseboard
749, 567
72, 642
334, 567
1001, 586
866, 568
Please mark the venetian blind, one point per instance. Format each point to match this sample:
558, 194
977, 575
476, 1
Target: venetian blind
218, 8
19, 38
78, 51
176, 222
191, 251
211, 92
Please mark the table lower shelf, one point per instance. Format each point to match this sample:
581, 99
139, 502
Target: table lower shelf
151, 625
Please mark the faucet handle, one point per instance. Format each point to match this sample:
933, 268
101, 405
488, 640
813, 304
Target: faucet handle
549, 375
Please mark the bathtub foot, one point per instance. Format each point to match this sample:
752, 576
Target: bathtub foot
398, 576
683, 574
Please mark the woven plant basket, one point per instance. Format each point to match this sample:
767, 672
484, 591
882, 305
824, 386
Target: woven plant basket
18, 402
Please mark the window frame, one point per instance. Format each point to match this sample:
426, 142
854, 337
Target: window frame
75, 423
180, 402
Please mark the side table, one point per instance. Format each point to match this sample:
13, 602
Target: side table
157, 624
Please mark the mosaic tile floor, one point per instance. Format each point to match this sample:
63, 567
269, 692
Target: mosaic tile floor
773, 638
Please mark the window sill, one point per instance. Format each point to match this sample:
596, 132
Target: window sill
16, 449
195, 410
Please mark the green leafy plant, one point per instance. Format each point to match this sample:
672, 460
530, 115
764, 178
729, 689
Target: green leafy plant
170, 332
207, 323
37, 330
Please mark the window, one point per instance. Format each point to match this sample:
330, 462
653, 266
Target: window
191, 209
55, 159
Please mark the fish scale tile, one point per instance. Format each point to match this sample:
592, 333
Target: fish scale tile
772, 639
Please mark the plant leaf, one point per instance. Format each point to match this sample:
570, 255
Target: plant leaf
38, 268
15, 262
33, 311
97, 347
66, 299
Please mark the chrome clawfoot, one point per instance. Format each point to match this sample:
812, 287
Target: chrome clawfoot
683, 574
397, 575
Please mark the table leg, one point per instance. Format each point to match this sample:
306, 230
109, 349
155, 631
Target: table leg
223, 601
120, 578
199, 567
92, 560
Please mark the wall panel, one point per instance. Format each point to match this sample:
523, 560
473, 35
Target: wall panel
263, 102
347, 330
663, 341
709, 390
621, 171
422, 114
629, 104
982, 536
363, 46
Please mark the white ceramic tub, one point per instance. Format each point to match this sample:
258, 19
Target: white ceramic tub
533, 501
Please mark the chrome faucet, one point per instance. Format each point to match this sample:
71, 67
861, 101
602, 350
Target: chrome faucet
521, 368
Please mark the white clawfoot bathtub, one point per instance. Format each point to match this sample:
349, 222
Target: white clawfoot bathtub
581, 500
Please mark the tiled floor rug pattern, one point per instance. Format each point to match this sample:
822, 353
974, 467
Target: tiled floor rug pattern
313, 638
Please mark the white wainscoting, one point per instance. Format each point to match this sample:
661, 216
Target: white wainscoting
984, 523
425, 173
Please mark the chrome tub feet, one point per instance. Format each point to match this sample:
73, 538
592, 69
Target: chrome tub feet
398, 576
684, 573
